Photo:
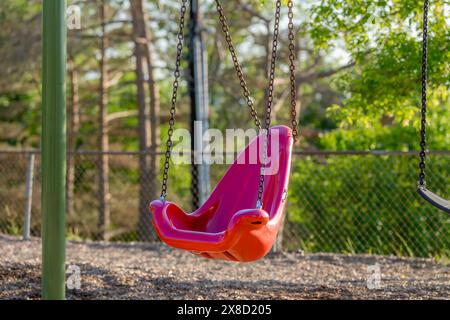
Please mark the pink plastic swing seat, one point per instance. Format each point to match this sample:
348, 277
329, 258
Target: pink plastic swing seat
228, 226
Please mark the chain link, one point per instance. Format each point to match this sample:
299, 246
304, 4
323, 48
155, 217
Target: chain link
269, 101
237, 66
292, 61
423, 122
174, 99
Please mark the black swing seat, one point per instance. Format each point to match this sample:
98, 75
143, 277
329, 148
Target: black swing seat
434, 199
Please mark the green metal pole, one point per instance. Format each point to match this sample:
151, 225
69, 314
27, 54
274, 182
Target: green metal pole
53, 146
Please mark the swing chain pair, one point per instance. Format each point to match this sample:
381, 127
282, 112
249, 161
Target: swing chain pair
240, 74
175, 86
243, 83
423, 120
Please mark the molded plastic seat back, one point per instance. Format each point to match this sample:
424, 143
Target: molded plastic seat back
238, 189
228, 225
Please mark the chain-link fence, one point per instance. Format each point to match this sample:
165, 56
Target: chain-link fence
351, 202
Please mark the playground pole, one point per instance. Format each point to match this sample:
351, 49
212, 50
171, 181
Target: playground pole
53, 146
198, 89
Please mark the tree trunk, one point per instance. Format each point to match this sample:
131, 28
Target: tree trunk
141, 41
154, 120
103, 140
73, 126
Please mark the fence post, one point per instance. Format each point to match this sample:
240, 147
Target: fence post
28, 196
198, 90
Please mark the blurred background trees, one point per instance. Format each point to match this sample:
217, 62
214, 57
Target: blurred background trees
358, 78
359, 68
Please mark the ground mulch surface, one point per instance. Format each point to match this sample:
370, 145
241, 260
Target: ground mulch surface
154, 271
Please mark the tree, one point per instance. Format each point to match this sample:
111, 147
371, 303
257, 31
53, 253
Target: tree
384, 40
154, 119
103, 139
73, 115
148, 115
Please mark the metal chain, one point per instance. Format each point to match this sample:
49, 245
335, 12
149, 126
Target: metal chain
243, 83
269, 101
174, 100
237, 66
292, 61
423, 122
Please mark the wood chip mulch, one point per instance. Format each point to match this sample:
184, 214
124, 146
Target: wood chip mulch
154, 271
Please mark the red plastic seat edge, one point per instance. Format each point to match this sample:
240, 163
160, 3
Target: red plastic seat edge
243, 220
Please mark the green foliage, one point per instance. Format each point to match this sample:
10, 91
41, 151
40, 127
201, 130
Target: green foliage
384, 40
19, 43
401, 135
353, 204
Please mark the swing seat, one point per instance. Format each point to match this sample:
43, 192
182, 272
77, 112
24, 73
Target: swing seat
228, 226
434, 199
